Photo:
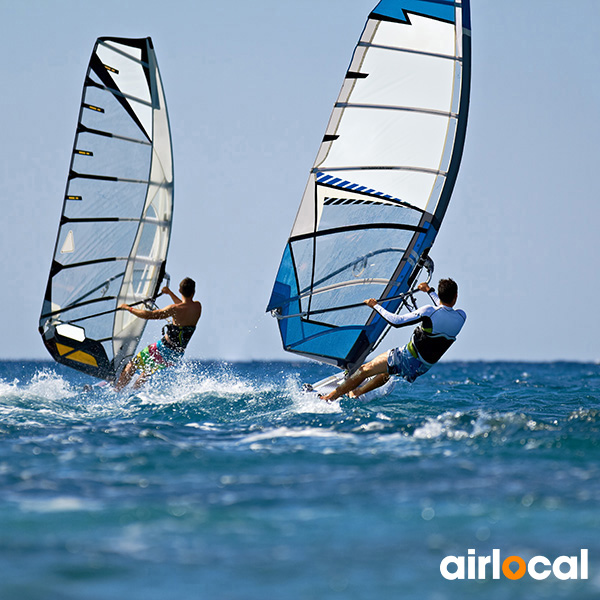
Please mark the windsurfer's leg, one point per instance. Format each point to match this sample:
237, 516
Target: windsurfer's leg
371, 384
141, 380
125, 377
374, 367
147, 361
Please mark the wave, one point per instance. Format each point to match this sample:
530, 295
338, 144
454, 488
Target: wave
236, 403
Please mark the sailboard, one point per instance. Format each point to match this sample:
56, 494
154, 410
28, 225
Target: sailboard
115, 224
381, 182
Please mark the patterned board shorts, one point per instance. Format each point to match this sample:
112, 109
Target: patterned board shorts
155, 357
402, 363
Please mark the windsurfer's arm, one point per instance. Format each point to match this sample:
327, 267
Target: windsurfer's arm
424, 287
175, 298
411, 318
150, 315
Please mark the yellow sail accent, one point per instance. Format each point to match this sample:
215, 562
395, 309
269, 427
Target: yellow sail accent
79, 356
62, 349
83, 357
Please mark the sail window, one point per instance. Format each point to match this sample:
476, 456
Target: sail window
71, 331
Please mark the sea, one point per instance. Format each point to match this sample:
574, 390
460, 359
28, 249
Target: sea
225, 481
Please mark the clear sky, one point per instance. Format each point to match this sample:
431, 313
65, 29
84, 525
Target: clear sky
250, 87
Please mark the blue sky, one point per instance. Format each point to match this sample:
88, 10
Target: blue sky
250, 87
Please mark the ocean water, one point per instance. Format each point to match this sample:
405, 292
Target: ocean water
224, 481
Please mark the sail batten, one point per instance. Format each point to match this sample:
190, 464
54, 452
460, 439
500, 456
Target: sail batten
425, 111
126, 96
379, 168
409, 51
126, 55
115, 225
381, 182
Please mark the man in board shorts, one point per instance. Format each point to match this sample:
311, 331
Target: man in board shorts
439, 325
185, 313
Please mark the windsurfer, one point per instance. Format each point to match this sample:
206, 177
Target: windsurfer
185, 313
440, 324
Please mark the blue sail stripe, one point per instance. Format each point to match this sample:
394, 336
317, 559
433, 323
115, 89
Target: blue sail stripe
443, 10
323, 178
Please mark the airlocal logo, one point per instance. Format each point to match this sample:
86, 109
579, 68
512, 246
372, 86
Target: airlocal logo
514, 567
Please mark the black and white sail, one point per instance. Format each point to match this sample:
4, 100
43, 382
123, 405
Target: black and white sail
115, 225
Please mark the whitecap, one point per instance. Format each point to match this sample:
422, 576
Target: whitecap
58, 504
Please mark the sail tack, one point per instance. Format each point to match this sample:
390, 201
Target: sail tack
115, 224
381, 182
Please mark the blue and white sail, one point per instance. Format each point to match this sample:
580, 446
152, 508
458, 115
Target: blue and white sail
381, 182
115, 225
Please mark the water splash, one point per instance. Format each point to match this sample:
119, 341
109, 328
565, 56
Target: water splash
307, 402
44, 385
188, 383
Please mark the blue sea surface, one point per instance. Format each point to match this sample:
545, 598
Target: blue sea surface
226, 482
